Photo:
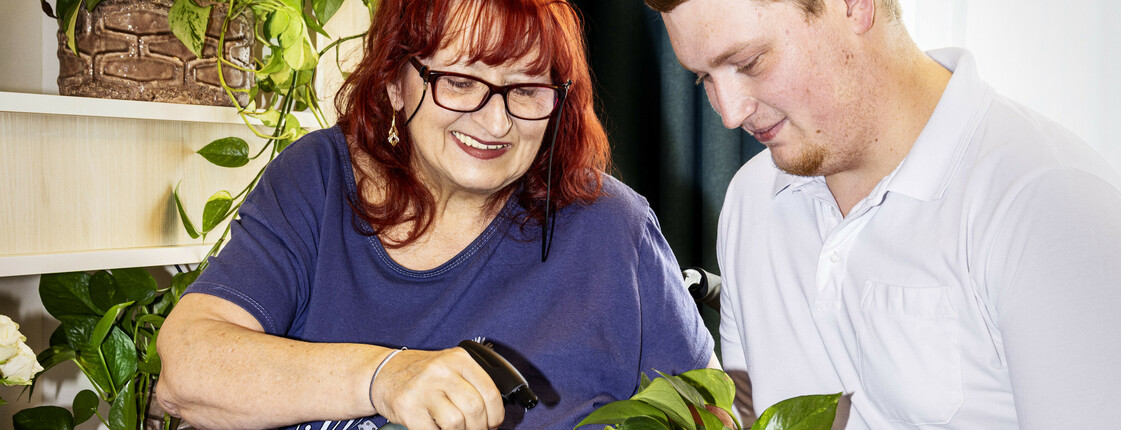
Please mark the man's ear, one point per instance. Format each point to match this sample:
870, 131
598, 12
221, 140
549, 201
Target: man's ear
861, 14
396, 98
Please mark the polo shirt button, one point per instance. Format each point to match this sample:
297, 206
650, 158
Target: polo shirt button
834, 256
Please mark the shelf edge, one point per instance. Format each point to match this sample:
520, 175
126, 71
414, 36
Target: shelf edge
36, 264
50, 104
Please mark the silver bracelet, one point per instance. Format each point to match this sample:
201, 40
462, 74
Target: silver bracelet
378, 369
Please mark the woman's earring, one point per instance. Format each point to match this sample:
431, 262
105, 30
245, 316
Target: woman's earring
393, 138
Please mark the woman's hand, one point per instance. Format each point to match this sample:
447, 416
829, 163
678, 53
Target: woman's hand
444, 389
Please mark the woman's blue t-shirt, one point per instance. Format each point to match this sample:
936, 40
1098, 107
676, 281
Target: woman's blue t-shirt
609, 302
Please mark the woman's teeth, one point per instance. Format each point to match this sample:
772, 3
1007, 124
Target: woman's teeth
470, 141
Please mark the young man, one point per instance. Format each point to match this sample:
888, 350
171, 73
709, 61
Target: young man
945, 257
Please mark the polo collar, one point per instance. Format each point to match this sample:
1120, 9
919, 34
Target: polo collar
937, 154
785, 180
935, 157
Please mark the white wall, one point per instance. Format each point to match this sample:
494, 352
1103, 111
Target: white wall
1062, 59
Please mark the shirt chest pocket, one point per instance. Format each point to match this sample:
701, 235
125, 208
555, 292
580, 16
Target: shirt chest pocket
910, 356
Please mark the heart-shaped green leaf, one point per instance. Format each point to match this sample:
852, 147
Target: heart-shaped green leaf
67, 20
276, 22
85, 406
226, 152
188, 22
292, 130
136, 284
43, 418
216, 210
120, 356
294, 32
181, 281
325, 9
187, 224
813, 412
66, 294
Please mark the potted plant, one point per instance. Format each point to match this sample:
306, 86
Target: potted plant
285, 76
127, 49
269, 84
688, 402
109, 322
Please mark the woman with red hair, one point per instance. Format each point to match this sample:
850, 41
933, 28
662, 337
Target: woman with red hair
462, 195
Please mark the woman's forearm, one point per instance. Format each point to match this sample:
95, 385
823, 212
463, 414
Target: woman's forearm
218, 372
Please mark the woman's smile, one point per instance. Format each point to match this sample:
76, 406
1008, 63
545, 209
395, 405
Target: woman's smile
477, 149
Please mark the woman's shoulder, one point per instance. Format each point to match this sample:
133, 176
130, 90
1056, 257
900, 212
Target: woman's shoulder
319, 154
324, 145
617, 204
312, 167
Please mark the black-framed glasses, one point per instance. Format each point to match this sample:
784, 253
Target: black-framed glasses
465, 93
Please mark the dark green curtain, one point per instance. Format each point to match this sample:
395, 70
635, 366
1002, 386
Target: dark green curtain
668, 143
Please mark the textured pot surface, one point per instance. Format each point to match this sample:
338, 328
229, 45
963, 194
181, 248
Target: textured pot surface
126, 50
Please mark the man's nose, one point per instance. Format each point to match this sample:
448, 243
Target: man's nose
733, 101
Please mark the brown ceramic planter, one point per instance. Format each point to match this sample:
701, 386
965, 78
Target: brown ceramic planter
127, 51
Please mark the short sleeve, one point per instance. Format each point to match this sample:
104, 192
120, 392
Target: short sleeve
1054, 278
674, 338
267, 266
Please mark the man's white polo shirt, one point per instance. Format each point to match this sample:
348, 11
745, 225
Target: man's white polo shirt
977, 287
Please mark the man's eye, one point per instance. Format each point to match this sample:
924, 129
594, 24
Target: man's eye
750, 67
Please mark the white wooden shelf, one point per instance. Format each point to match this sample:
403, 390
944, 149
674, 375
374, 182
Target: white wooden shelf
87, 182
33, 264
110, 108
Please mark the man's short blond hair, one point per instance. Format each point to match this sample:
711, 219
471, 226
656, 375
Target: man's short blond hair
812, 8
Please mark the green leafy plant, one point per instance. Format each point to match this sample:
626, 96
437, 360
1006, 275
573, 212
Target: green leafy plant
285, 74
110, 321
285, 64
691, 401
67, 16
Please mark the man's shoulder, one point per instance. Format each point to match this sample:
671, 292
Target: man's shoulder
1018, 143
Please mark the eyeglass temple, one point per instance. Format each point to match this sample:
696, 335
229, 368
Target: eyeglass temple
546, 236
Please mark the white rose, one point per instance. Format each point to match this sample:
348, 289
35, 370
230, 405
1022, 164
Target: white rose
19, 370
10, 338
